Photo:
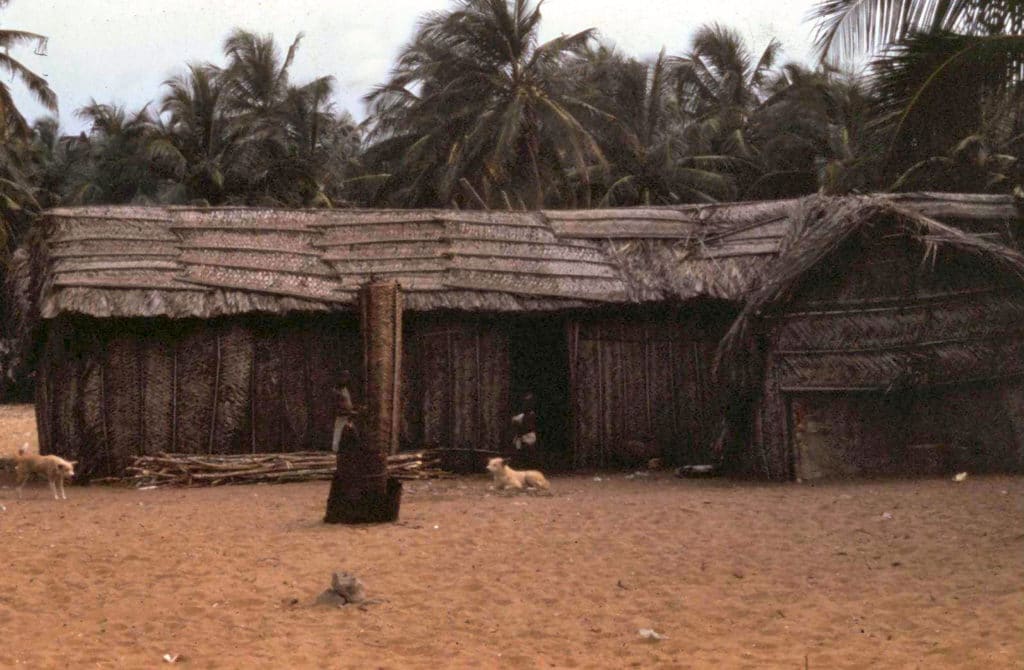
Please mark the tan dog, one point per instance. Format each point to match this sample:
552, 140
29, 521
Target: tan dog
54, 468
507, 478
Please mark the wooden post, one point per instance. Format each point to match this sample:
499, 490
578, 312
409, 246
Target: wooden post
361, 491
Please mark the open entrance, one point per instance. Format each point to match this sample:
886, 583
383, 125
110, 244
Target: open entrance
539, 364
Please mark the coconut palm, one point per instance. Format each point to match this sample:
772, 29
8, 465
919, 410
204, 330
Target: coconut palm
938, 66
811, 134
972, 166
849, 28
642, 137
934, 88
255, 82
720, 72
195, 146
243, 133
17, 194
478, 112
720, 84
11, 120
282, 138
56, 160
120, 166
323, 144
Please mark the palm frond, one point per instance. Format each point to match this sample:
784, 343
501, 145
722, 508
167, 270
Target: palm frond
931, 86
36, 85
846, 28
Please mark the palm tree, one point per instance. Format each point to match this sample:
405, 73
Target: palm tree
848, 28
323, 144
939, 65
255, 77
17, 194
121, 169
720, 71
478, 112
973, 166
934, 89
11, 119
811, 134
643, 135
195, 145
255, 81
56, 160
244, 134
283, 138
721, 83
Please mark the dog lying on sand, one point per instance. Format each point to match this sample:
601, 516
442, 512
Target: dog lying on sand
507, 478
54, 468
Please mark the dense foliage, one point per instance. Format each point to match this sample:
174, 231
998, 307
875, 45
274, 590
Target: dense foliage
478, 112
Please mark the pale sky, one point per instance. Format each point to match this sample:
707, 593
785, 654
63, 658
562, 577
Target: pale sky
121, 51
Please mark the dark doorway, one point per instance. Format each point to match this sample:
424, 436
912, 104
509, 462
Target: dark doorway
539, 364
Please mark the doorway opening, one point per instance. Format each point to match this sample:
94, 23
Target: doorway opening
539, 364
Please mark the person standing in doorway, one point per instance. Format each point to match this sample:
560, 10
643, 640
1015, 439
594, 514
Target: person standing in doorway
344, 409
524, 433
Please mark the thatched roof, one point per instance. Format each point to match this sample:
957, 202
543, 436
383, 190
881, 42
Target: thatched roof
725, 250
166, 261
821, 225
129, 261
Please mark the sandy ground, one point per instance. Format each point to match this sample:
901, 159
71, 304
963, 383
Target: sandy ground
894, 574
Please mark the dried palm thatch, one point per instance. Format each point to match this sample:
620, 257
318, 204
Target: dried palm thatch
180, 262
130, 261
819, 228
874, 342
725, 251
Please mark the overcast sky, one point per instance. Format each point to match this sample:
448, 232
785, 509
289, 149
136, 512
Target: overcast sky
121, 51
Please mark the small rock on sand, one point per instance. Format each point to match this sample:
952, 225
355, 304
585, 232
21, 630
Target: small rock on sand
346, 589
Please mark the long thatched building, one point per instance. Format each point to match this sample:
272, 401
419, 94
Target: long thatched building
222, 330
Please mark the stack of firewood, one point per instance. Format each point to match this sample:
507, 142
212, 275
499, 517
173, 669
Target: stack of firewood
213, 469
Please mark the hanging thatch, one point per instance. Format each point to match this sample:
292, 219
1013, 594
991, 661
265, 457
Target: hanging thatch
818, 229
900, 328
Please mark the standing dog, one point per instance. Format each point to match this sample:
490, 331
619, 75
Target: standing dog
505, 477
54, 468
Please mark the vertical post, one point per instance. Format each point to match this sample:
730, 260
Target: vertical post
382, 356
361, 491
396, 371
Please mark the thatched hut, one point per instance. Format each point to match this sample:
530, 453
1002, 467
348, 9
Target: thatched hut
882, 341
222, 330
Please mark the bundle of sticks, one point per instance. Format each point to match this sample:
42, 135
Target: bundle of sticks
212, 469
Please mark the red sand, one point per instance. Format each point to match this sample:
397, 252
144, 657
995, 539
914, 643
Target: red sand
736, 575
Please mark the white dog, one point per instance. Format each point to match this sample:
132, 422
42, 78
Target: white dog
54, 468
507, 478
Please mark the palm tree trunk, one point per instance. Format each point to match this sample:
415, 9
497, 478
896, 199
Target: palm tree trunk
361, 491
